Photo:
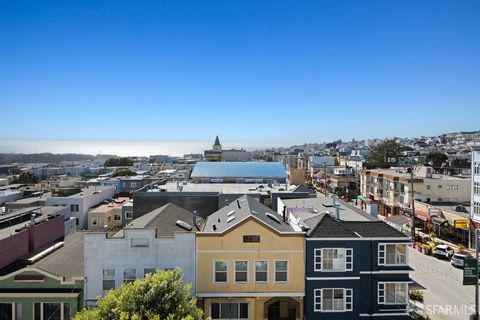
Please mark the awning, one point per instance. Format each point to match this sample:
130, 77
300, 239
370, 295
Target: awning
361, 198
422, 215
439, 220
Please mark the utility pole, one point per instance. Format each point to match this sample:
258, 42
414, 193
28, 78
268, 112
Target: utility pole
412, 227
325, 178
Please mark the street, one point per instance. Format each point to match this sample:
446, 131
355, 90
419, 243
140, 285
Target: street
445, 297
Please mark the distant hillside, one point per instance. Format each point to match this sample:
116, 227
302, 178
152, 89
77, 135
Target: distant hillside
7, 158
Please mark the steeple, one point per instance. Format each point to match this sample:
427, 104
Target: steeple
216, 145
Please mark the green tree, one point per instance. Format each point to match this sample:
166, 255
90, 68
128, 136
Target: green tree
26, 177
436, 159
160, 296
384, 154
119, 162
123, 172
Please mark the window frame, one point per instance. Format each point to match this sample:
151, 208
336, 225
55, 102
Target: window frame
275, 271
255, 271
383, 296
347, 293
235, 271
225, 302
111, 278
15, 306
384, 251
215, 271
320, 254
127, 213
125, 280
42, 311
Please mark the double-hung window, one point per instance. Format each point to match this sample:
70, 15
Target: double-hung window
51, 311
10, 311
333, 259
221, 271
281, 271
333, 300
392, 254
392, 293
241, 271
228, 310
261, 271
129, 275
108, 279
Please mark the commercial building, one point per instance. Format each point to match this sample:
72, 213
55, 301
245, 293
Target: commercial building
78, 201
161, 239
391, 188
250, 264
236, 155
239, 172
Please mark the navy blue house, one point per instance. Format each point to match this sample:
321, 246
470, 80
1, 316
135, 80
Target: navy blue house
355, 270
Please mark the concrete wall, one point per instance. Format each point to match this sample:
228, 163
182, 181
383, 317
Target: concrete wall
168, 252
13, 247
46, 232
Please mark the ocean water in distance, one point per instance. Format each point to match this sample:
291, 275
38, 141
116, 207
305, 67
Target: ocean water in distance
125, 147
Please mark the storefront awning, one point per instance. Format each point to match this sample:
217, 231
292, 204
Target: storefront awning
422, 215
438, 220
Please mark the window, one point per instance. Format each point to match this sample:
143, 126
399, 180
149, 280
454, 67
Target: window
129, 275
117, 217
221, 271
477, 168
108, 279
94, 221
51, 311
476, 207
440, 186
333, 300
74, 208
392, 254
11, 311
251, 238
333, 259
392, 292
229, 310
241, 271
149, 270
476, 188
140, 242
452, 187
281, 271
129, 215
429, 187
133, 184
261, 271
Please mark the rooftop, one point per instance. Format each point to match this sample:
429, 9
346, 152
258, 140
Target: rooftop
325, 226
239, 170
241, 209
227, 188
164, 220
110, 205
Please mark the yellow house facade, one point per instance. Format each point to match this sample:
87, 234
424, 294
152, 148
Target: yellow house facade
250, 264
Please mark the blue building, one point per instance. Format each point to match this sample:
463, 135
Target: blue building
355, 270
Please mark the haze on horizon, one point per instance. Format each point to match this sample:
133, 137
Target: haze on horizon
252, 71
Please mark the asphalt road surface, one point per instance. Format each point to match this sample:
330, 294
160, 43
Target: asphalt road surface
445, 297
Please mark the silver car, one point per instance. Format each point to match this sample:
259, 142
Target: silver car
458, 259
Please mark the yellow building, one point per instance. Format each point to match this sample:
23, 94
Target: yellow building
250, 264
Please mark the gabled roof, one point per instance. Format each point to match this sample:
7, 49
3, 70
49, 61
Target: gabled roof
241, 209
217, 142
326, 226
164, 220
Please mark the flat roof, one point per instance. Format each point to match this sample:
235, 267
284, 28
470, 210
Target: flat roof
239, 170
303, 208
240, 188
33, 199
88, 191
105, 207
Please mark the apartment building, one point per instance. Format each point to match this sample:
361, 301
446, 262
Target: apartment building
391, 188
250, 264
109, 214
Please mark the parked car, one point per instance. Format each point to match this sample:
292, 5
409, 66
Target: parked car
458, 259
443, 251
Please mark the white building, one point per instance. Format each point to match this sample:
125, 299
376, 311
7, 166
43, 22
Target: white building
475, 186
79, 202
161, 239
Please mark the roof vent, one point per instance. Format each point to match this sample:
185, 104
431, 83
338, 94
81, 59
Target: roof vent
184, 225
273, 217
230, 219
255, 212
238, 203
231, 213
214, 228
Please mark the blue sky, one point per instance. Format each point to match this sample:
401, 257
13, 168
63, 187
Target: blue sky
291, 71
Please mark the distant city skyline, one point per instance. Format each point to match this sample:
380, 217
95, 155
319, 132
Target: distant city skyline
287, 72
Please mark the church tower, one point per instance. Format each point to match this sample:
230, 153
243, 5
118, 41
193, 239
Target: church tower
217, 146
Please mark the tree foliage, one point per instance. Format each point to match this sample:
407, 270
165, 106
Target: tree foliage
119, 162
160, 296
26, 177
123, 172
7, 158
384, 154
437, 158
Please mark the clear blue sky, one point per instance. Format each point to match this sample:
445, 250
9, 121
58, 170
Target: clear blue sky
245, 70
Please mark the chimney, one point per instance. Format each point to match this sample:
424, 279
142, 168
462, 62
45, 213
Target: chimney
337, 211
334, 199
32, 219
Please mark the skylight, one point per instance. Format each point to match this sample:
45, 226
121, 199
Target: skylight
184, 225
231, 213
230, 219
273, 217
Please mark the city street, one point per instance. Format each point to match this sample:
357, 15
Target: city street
445, 296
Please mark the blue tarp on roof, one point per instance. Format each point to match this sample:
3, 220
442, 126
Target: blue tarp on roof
274, 170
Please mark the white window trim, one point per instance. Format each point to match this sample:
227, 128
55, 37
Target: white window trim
315, 255
275, 271
214, 271
42, 316
255, 270
384, 283
126, 215
344, 309
235, 271
345, 269
125, 280
384, 263
240, 302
